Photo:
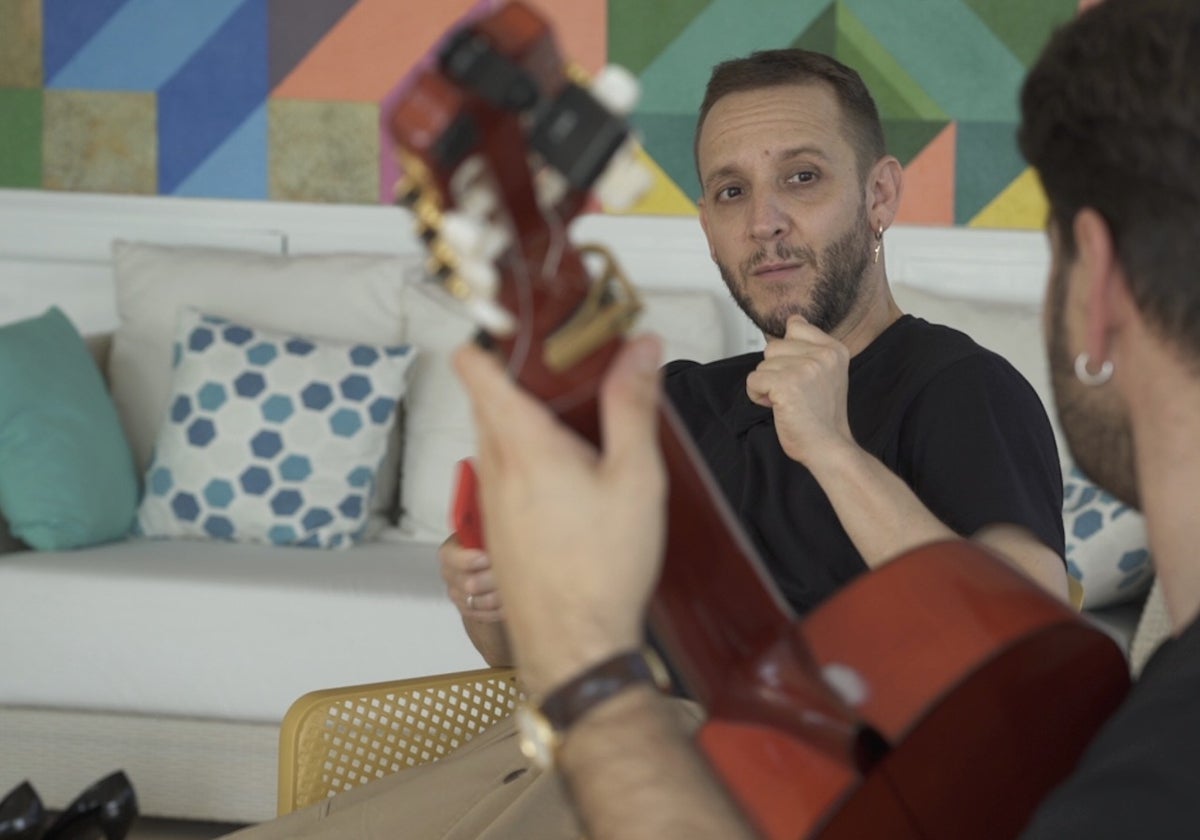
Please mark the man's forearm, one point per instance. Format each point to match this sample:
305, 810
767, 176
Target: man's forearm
884, 518
634, 772
881, 514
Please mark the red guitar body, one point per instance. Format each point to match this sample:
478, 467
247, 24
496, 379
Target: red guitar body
986, 689
939, 696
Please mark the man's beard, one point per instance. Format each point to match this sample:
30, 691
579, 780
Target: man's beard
840, 274
1097, 430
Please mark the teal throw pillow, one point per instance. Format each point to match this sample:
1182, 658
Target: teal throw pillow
67, 477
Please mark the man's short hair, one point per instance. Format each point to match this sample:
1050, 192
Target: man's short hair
775, 68
1110, 119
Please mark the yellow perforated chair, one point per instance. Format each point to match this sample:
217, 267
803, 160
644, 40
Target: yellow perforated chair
338, 738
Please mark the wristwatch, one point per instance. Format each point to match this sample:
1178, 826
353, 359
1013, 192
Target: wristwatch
542, 723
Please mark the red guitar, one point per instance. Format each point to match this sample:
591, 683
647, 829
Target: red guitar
940, 696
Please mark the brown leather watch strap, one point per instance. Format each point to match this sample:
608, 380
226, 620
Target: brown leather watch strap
566, 704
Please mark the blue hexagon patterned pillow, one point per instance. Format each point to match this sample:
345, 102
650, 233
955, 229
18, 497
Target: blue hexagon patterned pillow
1106, 544
269, 437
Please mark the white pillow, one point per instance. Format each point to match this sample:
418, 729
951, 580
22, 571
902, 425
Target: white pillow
346, 297
271, 437
1107, 548
438, 425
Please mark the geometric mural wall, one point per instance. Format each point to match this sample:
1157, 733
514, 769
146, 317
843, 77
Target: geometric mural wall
282, 99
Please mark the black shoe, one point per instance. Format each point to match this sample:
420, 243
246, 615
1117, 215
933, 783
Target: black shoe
21, 814
106, 809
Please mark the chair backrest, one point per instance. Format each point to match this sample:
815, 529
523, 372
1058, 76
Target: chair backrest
335, 739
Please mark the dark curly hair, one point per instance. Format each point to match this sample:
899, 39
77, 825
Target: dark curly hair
794, 66
1110, 119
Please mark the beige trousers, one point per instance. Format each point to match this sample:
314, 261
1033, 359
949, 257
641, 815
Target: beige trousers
485, 789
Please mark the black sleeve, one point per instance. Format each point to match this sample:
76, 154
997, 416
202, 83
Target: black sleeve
978, 449
1140, 777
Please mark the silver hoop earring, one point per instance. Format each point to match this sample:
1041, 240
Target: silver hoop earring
1092, 380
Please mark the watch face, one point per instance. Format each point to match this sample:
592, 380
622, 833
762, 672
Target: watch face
538, 739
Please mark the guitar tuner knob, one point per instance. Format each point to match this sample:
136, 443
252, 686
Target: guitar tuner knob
472, 238
490, 316
466, 173
477, 201
624, 181
550, 187
457, 287
481, 276
616, 89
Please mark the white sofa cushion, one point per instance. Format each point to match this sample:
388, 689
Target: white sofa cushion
346, 297
191, 628
271, 437
438, 426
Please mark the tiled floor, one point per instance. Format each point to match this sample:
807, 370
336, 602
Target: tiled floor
147, 828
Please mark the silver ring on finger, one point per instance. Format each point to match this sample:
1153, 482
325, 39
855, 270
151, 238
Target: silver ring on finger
471, 602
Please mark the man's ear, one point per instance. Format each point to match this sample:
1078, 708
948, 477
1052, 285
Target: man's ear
1106, 294
885, 182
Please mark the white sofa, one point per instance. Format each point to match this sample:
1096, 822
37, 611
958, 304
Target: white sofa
176, 658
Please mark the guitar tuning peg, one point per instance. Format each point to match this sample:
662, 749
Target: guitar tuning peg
478, 201
470, 171
550, 187
472, 190
462, 288
481, 276
490, 316
472, 238
473, 283
624, 181
616, 89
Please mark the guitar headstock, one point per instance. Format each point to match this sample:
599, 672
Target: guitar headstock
502, 145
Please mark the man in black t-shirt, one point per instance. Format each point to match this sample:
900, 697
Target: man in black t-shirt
858, 433
955, 422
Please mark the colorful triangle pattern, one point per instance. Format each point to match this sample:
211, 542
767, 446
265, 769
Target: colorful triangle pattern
242, 89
